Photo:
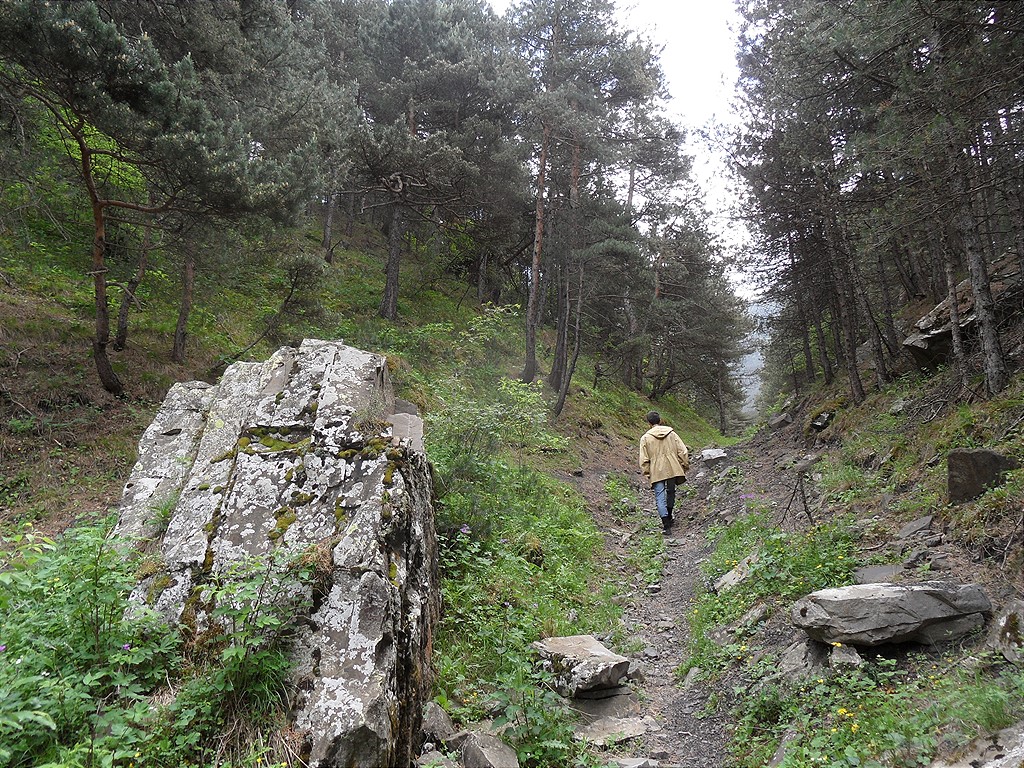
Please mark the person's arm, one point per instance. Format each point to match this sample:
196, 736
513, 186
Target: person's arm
645, 460
682, 452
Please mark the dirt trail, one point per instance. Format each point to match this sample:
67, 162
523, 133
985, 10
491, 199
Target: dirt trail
693, 719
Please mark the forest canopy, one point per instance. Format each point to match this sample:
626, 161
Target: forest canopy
531, 154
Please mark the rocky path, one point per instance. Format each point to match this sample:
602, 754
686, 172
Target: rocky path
692, 715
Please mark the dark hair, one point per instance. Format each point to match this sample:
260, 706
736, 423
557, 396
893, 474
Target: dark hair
654, 418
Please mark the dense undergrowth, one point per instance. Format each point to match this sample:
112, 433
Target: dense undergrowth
884, 467
86, 683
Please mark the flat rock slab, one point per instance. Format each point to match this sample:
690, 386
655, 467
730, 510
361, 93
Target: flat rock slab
580, 663
740, 573
713, 456
622, 705
875, 614
920, 525
614, 730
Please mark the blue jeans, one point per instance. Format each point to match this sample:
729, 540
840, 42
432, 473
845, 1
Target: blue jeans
665, 496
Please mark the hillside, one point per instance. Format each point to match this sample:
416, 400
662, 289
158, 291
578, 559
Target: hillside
503, 209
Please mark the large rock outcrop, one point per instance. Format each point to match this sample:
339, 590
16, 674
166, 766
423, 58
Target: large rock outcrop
876, 614
298, 455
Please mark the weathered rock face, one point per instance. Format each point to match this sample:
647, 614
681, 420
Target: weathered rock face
972, 470
932, 339
297, 455
875, 614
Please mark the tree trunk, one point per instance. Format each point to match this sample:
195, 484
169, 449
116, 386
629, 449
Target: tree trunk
847, 314
327, 244
530, 365
996, 375
826, 364
105, 371
561, 356
959, 358
121, 336
389, 301
188, 280
563, 389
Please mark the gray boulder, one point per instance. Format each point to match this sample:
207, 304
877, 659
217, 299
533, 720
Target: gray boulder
1004, 749
875, 614
971, 471
1007, 634
437, 724
293, 457
712, 457
780, 421
483, 750
803, 658
580, 663
822, 421
930, 341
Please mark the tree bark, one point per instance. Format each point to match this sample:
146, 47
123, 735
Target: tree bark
530, 365
389, 301
188, 280
959, 358
330, 204
826, 364
121, 335
560, 358
108, 379
563, 389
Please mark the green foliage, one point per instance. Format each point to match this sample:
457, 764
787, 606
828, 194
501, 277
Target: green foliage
75, 661
537, 719
783, 567
80, 663
878, 715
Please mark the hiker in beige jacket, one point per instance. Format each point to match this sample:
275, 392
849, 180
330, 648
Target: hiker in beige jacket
664, 461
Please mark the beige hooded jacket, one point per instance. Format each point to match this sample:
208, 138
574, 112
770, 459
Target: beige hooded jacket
663, 454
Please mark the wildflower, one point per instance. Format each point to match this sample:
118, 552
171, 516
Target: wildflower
821, 680
4, 647
837, 645
464, 529
126, 647
841, 711
834, 730
854, 727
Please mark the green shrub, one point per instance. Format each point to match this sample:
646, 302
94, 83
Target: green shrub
80, 664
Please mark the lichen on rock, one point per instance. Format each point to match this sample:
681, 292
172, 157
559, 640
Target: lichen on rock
297, 454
